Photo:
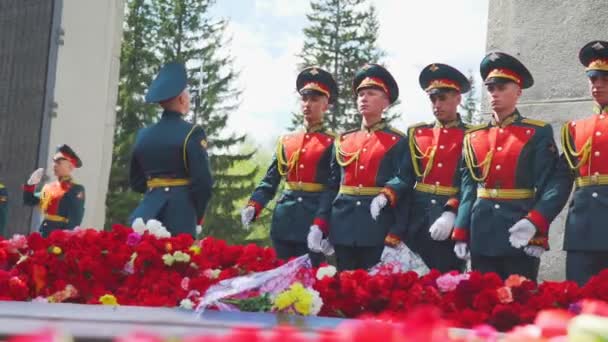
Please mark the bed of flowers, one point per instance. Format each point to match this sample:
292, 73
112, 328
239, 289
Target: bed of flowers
144, 266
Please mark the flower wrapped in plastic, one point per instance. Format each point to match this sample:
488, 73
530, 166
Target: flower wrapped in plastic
400, 259
287, 288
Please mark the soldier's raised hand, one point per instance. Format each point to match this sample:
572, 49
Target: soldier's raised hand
247, 215
443, 225
326, 247
521, 233
35, 177
377, 204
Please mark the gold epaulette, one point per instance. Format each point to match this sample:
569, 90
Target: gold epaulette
331, 134
534, 122
417, 125
395, 130
474, 128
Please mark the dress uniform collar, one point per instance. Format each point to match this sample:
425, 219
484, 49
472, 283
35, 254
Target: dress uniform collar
317, 127
375, 127
515, 116
451, 124
65, 179
599, 109
170, 113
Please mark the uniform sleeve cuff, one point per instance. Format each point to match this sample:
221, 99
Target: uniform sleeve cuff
541, 241
322, 224
539, 221
452, 205
391, 195
258, 207
392, 240
460, 234
29, 188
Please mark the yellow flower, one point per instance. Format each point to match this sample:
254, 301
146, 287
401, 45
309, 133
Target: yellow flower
296, 298
196, 250
108, 299
56, 250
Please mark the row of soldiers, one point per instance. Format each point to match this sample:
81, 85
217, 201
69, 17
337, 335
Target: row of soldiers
449, 191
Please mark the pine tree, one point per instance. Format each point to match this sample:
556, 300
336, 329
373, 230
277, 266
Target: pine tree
341, 38
187, 34
137, 65
470, 104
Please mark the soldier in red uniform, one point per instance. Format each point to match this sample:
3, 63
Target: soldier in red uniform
509, 196
367, 165
62, 201
585, 145
302, 160
434, 170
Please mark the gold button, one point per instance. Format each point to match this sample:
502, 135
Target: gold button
597, 153
498, 167
301, 166
598, 133
440, 165
499, 148
361, 167
441, 147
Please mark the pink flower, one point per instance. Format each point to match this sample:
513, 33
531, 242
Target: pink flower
133, 239
185, 283
449, 281
505, 295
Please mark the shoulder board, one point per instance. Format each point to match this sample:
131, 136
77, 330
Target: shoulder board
418, 125
474, 128
394, 130
350, 131
534, 122
331, 134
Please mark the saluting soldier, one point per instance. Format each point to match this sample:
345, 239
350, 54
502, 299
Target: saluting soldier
585, 146
508, 195
62, 201
3, 209
434, 173
368, 165
169, 163
302, 160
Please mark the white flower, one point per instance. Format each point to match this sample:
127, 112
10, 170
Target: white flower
139, 226
180, 256
186, 304
317, 302
326, 271
212, 273
168, 259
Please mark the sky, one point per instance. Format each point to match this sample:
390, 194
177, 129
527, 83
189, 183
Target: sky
267, 36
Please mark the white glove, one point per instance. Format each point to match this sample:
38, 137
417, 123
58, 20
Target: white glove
36, 177
247, 215
534, 251
199, 230
443, 225
521, 233
377, 204
314, 239
462, 250
326, 247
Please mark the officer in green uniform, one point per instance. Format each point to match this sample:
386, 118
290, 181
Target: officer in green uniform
302, 160
585, 146
367, 166
434, 171
509, 196
3, 209
170, 165
62, 201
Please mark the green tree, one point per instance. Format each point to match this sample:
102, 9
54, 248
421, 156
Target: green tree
470, 104
341, 37
188, 34
137, 64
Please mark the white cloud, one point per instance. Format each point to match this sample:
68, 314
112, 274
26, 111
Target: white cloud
283, 8
267, 81
413, 34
